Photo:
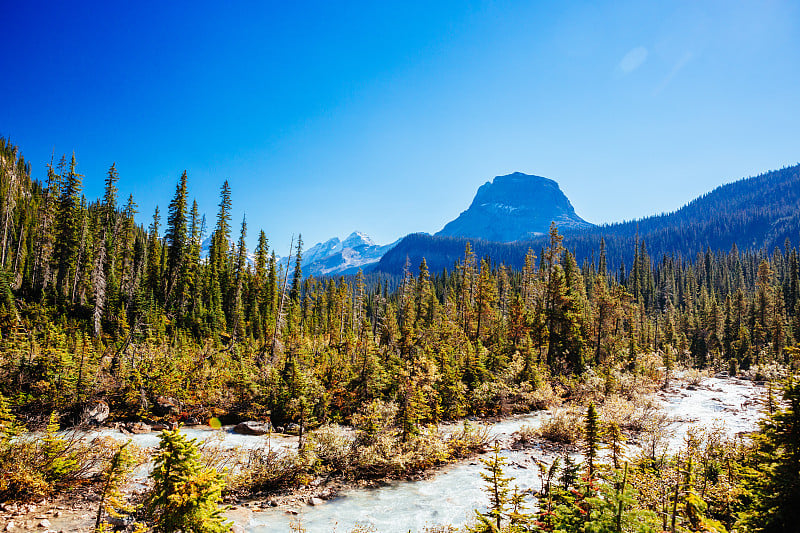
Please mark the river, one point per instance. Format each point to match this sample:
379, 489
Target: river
452, 493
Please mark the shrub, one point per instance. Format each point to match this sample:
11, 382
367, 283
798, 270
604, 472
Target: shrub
332, 446
34, 467
564, 426
468, 439
633, 415
268, 469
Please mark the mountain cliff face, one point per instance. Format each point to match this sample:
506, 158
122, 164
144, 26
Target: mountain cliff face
515, 207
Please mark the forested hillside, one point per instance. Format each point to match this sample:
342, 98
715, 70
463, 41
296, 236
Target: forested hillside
752, 214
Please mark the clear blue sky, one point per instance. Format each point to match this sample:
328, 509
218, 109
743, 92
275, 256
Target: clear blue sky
386, 116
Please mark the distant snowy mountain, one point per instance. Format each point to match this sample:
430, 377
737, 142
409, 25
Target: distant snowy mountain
341, 257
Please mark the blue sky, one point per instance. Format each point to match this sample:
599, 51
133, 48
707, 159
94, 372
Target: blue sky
386, 117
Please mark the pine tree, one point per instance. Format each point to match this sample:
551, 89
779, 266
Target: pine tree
771, 486
497, 486
185, 495
592, 438
176, 240
68, 228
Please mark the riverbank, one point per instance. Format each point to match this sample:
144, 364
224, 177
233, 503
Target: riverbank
446, 493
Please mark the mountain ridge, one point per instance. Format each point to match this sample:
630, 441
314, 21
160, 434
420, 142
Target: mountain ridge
750, 213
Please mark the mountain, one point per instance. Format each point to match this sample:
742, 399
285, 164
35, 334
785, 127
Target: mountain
514, 207
337, 257
753, 213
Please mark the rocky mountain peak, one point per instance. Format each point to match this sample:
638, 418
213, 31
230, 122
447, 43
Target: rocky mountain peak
515, 207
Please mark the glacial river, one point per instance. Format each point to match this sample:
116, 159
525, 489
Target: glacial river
451, 494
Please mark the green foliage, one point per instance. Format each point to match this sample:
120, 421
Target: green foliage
497, 487
59, 461
185, 495
771, 478
35, 467
592, 437
113, 477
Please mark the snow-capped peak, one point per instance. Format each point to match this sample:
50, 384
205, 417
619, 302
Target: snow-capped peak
356, 239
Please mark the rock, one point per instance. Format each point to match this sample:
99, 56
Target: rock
120, 521
95, 413
280, 429
272, 503
138, 427
293, 428
315, 501
252, 427
164, 405
160, 426
11, 526
236, 528
192, 421
45, 523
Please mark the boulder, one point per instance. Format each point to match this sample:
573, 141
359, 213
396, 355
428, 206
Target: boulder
164, 405
120, 522
95, 413
293, 429
252, 427
138, 427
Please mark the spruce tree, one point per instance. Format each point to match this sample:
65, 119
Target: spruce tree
771, 486
497, 486
297, 275
68, 228
185, 495
592, 438
176, 238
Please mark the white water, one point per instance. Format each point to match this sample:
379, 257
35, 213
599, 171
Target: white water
224, 437
452, 493
448, 497
734, 403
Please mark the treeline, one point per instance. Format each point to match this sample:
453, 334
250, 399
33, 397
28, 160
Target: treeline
97, 307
